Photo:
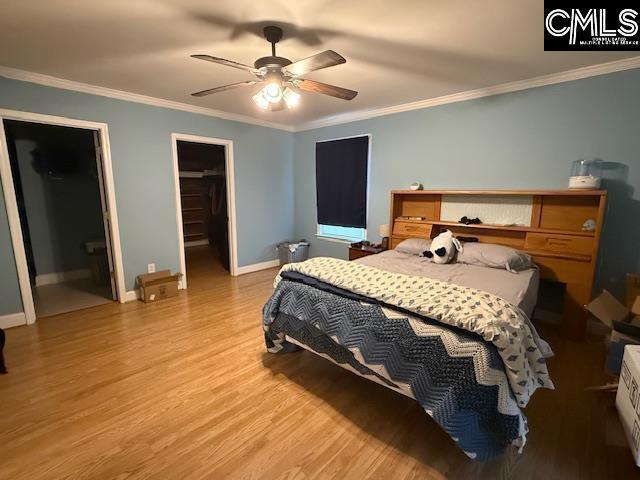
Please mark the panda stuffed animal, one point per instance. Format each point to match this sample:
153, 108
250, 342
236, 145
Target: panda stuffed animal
443, 248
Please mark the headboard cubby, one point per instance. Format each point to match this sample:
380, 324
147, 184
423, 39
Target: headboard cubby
548, 225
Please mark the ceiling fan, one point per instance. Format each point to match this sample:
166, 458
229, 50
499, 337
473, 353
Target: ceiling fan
282, 77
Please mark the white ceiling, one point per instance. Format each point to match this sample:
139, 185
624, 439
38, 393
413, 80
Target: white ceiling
397, 52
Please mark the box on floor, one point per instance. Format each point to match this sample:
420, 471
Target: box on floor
622, 320
158, 285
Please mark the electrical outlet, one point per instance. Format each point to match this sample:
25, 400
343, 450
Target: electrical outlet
151, 268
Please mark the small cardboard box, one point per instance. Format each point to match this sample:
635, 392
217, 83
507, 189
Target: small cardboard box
158, 285
606, 308
628, 398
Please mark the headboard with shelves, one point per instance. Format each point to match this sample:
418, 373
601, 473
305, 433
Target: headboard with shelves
553, 234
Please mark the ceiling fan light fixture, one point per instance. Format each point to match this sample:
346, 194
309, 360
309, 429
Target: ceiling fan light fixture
290, 97
268, 96
261, 101
282, 80
272, 92
276, 107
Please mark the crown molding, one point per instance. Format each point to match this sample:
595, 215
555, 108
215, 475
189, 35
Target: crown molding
541, 81
554, 78
49, 81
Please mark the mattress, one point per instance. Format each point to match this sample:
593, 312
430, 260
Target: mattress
470, 359
520, 289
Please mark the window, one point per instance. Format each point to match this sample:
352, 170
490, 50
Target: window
342, 233
342, 171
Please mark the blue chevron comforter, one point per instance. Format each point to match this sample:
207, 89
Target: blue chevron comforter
455, 375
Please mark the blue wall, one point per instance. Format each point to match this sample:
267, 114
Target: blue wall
526, 139
140, 137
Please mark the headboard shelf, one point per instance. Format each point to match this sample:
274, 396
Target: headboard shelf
488, 226
547, 225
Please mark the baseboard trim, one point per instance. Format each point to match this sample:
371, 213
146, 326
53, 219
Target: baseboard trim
13, 320
256, 267
130, 296
59, 277
133, 295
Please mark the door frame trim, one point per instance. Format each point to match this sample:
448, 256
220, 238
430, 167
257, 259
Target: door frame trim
12, 206
231, 198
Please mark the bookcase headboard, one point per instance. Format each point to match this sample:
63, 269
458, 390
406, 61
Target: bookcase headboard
547, 224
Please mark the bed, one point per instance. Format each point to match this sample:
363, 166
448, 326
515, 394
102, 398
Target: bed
520, 290
457, 337
362, 316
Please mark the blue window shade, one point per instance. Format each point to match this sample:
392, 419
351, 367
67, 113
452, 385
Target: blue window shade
341, 182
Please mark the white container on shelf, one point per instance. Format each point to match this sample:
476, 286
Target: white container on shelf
586, 174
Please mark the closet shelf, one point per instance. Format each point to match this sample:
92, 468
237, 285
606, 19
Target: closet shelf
193, 222
199, 174
192, 209
190, 194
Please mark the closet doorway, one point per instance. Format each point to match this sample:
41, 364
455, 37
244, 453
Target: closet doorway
203, 169
58, 189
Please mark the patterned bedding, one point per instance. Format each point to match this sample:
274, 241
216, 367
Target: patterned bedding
469, 358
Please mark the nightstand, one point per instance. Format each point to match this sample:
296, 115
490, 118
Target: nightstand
355, 252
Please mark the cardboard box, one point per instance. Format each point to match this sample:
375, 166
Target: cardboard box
628, 398
606, 308
633, 288
158, 285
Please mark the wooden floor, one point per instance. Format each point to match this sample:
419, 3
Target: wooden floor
184, 389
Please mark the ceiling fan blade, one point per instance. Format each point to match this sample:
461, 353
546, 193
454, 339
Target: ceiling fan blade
325, 59
324, 88
224, 87
224, 61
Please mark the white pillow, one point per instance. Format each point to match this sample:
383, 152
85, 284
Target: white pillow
494, 256
414, 246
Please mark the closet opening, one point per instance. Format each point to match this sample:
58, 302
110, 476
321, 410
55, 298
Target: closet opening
203, 207
57, 175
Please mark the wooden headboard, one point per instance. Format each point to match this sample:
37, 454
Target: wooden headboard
553, 234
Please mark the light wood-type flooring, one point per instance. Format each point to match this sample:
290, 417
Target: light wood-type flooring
183, 389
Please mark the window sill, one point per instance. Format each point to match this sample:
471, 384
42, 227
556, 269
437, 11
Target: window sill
336, 239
